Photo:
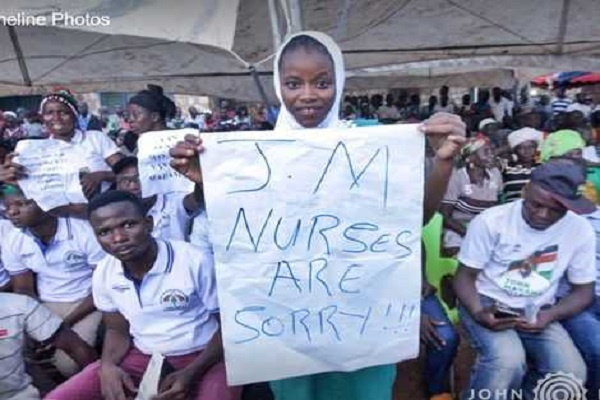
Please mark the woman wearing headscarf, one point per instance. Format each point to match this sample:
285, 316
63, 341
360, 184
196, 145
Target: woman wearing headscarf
569, 143
523, 144
13, 130
309, 80
149, 110
473, 188
60, 116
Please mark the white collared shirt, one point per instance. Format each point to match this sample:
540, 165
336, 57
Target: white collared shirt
94, 147
173, 310
20, 315
63, 268
200, 235
171, 219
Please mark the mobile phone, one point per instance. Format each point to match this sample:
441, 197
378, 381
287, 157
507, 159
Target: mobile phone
504, 312
167, 369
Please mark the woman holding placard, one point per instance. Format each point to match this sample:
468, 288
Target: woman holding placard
149, 110
309, 80
60, 115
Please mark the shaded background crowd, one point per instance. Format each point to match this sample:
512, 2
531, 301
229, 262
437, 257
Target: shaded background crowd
507, 141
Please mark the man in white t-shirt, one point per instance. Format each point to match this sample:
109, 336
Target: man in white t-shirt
52, 259
501, 106
171, 212
445, 104
511, 262
157, 297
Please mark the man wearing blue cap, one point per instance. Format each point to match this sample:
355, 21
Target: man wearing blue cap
511, 262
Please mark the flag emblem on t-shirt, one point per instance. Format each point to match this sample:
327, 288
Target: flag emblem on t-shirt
3, 333
531, 264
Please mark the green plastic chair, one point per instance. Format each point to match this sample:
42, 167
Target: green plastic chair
437, 266
593, 178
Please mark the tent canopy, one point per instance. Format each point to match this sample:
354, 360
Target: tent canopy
206, 46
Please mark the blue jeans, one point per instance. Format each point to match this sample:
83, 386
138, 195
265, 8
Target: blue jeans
438, 362
584, 329
503, 357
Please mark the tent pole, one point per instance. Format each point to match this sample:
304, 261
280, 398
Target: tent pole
19, 53
562, 27
261, 90
274, 24
295, 16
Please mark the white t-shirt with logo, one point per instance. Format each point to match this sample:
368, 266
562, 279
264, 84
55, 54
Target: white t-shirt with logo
171, 219
521, 265
63, 268
173, 310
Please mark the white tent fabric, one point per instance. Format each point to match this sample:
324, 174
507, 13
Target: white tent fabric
209, 22
206, 46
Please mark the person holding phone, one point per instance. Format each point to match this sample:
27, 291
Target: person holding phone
511, 262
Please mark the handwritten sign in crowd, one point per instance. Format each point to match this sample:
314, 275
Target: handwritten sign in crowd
156, 174
52, 172
317, 247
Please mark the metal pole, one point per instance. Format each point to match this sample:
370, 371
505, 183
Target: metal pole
261, 91
274, 24
295, 16
19, 53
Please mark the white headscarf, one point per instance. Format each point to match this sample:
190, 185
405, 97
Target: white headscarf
524, 135
286, 120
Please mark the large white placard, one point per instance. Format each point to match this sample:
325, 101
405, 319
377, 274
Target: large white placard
317, 246
52, 170
156, 174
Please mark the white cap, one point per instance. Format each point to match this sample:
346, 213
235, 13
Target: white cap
486, 122
524, 135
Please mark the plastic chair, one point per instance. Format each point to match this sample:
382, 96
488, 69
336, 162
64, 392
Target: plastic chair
437, 266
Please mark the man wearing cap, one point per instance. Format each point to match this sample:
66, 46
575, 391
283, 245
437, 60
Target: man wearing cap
490, 128
511, 262
516, 172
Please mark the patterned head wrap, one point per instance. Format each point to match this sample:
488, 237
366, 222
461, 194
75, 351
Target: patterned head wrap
62, 96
